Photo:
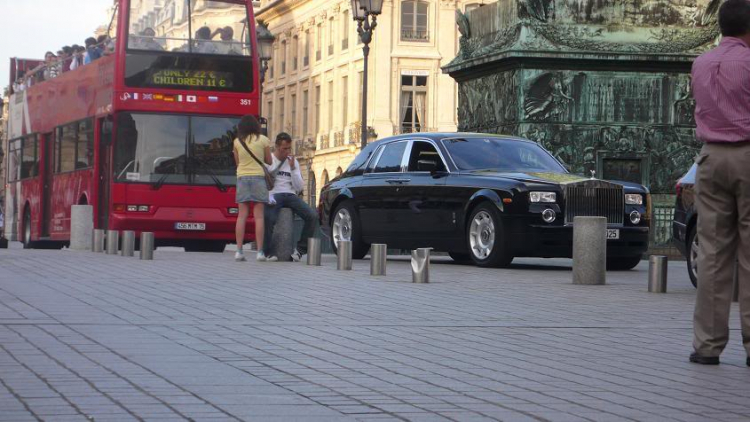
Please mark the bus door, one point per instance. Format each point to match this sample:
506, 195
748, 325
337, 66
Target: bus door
48, 145
105, 171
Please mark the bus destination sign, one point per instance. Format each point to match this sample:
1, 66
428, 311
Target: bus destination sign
192, 78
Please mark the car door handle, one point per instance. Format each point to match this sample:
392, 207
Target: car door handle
397, 181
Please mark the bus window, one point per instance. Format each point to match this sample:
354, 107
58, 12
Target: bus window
151, 148
212, 145
215, 57
14, 160
67, 148
85, 144
30, 157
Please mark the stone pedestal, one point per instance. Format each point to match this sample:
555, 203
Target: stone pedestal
589, 250
81, 227
282, 241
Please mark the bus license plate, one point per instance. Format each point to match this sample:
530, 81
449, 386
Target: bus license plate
613, 234
190, 226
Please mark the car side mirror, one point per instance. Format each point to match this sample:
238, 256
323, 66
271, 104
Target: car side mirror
427, 165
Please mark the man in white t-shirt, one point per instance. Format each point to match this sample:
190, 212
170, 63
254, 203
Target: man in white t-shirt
284, 195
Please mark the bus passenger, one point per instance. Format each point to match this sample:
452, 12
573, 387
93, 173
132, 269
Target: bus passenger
76, 60
251, 150
52, 69
203, 43
228, 45
146, 41
92, 53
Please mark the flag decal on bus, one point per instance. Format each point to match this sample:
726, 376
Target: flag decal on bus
191, 99
212, 99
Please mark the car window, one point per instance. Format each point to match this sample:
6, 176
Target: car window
421, 150
501, 154
390, 159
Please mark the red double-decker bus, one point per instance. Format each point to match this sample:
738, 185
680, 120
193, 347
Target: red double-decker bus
143, 134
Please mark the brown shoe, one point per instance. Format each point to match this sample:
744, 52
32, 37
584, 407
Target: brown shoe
705, 360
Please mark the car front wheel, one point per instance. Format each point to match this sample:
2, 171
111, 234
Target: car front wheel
485, 237
692, 256
346, 226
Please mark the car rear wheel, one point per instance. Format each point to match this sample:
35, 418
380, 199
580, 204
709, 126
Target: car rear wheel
692, 256
485, 237
346, 226
623, 263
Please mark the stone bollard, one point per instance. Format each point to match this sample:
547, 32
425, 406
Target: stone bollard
344, 262
81, 227
378, 252
98, 245
147, 246
313, 251
657, 274
589, 250
113, 242
128, 243
420, 265
282, 241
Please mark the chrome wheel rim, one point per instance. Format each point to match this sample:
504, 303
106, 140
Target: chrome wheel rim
482, 235
694, 256
342, 226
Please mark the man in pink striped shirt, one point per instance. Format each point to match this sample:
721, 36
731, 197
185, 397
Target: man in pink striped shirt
721, 87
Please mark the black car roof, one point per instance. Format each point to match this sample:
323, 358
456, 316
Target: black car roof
436, 136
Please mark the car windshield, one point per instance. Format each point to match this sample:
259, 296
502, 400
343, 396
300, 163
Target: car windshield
157, 148
499, 154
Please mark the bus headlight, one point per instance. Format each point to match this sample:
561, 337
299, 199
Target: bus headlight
233, 210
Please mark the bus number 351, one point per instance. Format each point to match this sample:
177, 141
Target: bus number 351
245, 102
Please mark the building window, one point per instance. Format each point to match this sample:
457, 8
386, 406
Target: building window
295, 44
269, 113
283, 59
306, 58
271, 61
359, 95
331, 35
305, 99
414, 21
282, 122
345, 101
319, 44
316, 118
293, 124
412, 103
330, 105
345, 30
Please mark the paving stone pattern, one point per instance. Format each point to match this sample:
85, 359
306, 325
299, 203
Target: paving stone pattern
191, 336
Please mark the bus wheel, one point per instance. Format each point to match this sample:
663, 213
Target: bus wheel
205, 246
26, 238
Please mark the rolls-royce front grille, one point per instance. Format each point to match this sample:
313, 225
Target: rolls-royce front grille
595, 200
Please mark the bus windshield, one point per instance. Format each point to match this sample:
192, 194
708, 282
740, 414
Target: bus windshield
175, 149
189, 44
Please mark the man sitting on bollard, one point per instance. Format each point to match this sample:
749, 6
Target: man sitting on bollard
287, 184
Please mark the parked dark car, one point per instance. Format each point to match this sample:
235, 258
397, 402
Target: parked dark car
482, 198
684, 223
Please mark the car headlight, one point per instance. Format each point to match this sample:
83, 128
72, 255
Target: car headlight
634, 199
543, 196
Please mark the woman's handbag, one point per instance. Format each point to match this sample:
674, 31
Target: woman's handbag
270, 177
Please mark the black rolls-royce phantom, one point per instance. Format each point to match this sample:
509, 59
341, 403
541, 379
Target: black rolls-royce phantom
482, 198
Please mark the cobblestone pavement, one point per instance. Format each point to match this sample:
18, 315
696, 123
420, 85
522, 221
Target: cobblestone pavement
86, 336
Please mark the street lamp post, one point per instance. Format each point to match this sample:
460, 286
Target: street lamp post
264, 39
362, 12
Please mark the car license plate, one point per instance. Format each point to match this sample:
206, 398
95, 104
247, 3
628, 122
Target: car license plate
613, 234
190, 226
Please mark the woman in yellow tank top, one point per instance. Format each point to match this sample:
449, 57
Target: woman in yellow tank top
251, 184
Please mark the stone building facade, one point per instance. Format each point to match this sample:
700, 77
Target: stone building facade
604, 85
313, 86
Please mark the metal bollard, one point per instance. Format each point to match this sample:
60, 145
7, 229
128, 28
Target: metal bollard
420, 265
98, 245
345, 255
147, 246
657, 274
589, 250
313, 251
113, 240
128, 243
378, 252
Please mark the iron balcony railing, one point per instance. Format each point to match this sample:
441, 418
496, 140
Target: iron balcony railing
595, 198
415, 35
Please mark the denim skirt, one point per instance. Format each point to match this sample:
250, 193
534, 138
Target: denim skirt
251, 189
